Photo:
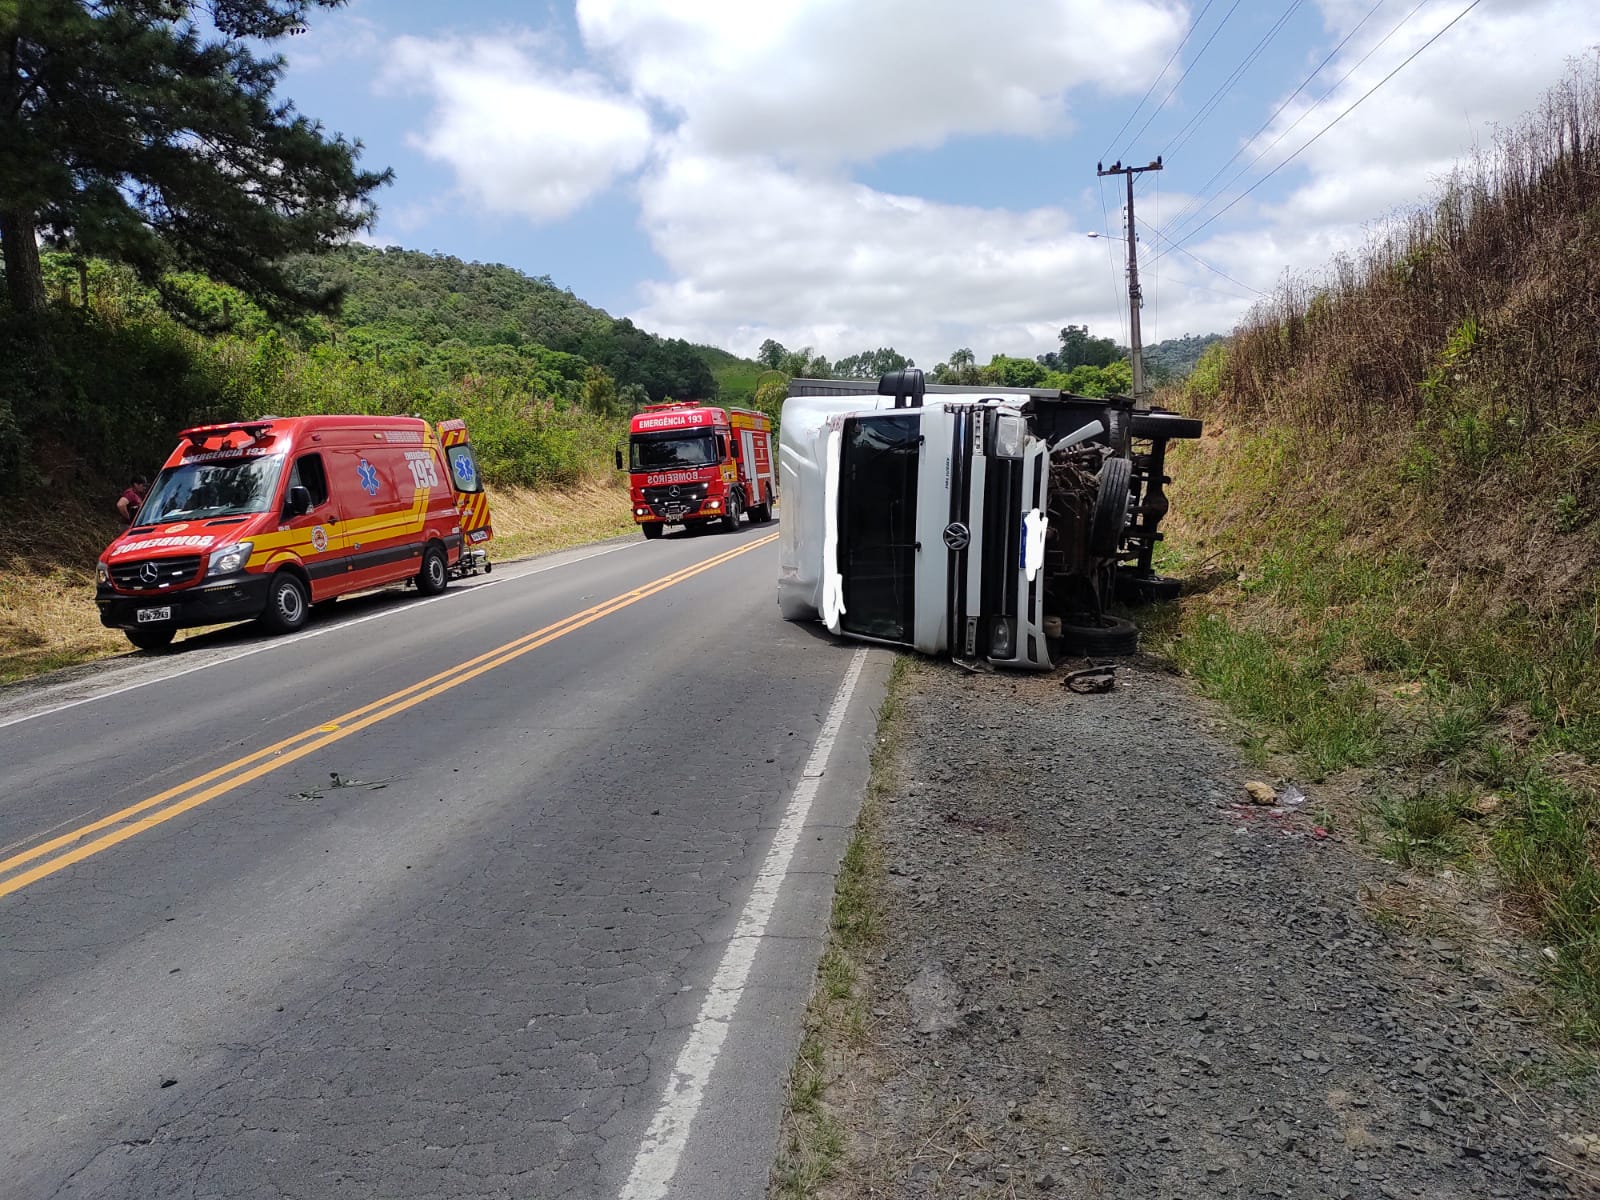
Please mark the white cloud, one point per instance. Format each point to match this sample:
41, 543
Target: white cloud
1393, 150
760, 251
522, 137
830, 80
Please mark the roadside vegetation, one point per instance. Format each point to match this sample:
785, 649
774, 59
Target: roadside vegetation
1391, 530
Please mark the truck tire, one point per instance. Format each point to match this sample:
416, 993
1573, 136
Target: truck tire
152, 637
651, 531
730, 515
1164, 425
1111, 507
1147, 589
760, 514
287, 604
434, 574
1091, 636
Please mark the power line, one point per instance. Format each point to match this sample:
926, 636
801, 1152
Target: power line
1227, 85
1295, 124
1215, 270
1199, 198
1189, 237
1159, 77
1193, 63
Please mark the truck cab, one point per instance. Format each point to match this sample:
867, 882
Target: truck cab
979, 523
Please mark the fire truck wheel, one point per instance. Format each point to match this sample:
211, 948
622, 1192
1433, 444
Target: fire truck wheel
730, 516
287, 605
652, 531
760, 514
152, 637
434, 576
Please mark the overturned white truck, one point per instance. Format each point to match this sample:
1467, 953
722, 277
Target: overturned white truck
990, 524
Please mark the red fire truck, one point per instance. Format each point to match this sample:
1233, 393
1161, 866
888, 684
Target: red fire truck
697, 466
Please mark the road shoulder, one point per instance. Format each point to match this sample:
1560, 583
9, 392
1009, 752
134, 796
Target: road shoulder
1090, 972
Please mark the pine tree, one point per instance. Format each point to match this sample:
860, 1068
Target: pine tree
147, 132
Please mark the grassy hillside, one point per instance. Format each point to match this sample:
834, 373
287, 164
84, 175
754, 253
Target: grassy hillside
1392, 525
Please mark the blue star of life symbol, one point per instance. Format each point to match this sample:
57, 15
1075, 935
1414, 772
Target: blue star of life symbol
369, 477
464, 470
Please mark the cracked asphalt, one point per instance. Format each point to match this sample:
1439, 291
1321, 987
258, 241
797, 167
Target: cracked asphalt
451, 954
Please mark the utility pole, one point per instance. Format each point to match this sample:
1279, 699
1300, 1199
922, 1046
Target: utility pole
1135, 297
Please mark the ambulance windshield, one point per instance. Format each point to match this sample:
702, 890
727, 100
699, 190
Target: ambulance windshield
672, 452
197, 490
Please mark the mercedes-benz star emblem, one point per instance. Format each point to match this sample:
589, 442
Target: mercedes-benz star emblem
674, 492
957, 535
149, 572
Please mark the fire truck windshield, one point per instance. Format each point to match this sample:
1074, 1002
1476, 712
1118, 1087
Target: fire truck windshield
672, 452
197, 490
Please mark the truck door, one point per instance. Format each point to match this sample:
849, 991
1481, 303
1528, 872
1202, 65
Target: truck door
878, 484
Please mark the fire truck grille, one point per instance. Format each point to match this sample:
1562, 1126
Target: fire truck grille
149, 574
677, 493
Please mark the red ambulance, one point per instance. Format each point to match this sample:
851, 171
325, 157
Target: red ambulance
262, 519
696, 466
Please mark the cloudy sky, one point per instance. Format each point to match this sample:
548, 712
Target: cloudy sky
848, 174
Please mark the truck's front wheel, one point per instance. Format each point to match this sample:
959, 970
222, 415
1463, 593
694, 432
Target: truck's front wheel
730, 515
652, 531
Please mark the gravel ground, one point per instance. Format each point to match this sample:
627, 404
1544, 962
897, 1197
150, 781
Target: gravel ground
1105, 975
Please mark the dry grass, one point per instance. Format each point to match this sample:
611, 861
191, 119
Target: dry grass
47, 613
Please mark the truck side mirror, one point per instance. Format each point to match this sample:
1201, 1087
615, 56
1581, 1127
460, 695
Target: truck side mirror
619, 460
298, 500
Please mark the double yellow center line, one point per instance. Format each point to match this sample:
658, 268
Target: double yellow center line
63, 851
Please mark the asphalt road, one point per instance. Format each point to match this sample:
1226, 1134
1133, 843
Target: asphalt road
518, 892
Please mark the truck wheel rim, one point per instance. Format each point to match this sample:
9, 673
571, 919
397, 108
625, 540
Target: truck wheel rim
435, 570
289, 606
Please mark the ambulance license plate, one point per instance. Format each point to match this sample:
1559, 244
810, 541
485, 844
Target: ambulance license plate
148, 615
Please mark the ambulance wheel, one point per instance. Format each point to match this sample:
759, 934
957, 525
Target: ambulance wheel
652, 531
730, 517
287, 604
434, 576
152, 637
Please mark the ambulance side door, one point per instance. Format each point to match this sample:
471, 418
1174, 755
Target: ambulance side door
320, 543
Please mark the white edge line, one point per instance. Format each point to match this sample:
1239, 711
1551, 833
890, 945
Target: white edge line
662, 1148
284, 643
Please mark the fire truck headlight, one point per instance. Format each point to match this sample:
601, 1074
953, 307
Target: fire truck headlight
641, 512
229, 559
714, 504
102, 573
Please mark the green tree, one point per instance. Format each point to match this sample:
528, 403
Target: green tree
146, 132
1005, 371
870, 364
771, 354
1080, 349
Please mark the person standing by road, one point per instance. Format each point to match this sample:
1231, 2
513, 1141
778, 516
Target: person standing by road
132, 497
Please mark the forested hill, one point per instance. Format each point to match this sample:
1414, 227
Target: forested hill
417, 309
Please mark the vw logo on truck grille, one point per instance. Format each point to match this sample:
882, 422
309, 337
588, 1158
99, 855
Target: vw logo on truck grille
149, 572
957, 536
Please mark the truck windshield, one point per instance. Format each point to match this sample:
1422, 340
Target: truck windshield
194, 491
878, 525
673, 452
